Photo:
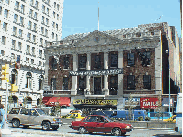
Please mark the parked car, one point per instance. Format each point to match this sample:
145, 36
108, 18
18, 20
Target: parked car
171, 119
31, 117
75, 115
98, 123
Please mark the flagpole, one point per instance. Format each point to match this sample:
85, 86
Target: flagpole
98, 18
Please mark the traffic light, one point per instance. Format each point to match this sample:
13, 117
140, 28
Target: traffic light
5, 72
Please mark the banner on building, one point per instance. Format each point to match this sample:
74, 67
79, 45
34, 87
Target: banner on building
94, 102
96, 72
150, 103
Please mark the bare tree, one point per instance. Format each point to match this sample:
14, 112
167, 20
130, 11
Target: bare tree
130, 105
159, 109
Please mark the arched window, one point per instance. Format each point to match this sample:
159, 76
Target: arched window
28, 80
14, 77
41, 82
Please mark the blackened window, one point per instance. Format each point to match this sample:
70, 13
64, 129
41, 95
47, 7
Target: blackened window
147, 81
54, 63
82, 82
131, 59
113, 85
131, 82
40, 82
82, 62
65, 83
66, 62
97, 64
53, 83
146, 58
114, 60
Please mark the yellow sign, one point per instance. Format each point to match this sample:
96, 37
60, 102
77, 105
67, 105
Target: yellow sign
95, 102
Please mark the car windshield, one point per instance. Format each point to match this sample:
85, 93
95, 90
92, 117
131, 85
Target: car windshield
109, 120
41, 112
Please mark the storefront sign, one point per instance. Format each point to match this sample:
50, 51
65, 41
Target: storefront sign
135, 101
165, 102
94, 102
150, 103
96, 72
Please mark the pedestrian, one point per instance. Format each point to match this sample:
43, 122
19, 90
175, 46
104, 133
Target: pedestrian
2, 116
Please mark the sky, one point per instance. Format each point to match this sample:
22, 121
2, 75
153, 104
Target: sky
81, 16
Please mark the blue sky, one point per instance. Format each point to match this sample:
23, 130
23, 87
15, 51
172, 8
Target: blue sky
81, 16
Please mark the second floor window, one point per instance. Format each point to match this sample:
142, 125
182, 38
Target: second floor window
29, 25
97, 62
146, 58
82, 62
5, 26
33, 50
3, 40
15, 31
147, 81
30, 12
114, 60
13, 44
82, 83
42, 20
46, 32
29, 36
21, 20
20, 33
66, 62
35, 15
131, 59
17, 5
34, 38
28, 49
131, 82
19, 45
35, 26
15, 18
22, 8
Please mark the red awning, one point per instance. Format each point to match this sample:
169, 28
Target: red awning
45, 99
63, 101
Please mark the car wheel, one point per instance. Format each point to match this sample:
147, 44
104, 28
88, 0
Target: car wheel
46, 126
16, 123
116, 131
55, 127
82, 130
25, 126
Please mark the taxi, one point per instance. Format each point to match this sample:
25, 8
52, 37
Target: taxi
171, 119
75, 115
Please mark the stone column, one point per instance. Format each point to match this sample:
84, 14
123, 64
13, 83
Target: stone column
88, 67
120, 76
74, 78
106, 76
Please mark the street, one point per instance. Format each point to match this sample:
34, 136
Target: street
63, 130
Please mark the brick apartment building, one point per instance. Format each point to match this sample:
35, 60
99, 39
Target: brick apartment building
101, 69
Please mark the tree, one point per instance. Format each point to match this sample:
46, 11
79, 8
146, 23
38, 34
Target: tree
159, 109
130, 105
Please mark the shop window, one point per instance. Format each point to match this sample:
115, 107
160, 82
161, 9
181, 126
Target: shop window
131, 82
66, 62
97, 64
131, 59
113, 85
28, 80
82, 62
65, 83
147, 81
40, 82
114, 60
53, 83
54, 63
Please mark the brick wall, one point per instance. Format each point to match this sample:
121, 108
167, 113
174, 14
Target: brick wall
138, 70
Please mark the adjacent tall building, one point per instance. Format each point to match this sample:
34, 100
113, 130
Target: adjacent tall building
101, 69
25, 28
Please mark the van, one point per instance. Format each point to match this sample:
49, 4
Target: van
124, 114
102, 112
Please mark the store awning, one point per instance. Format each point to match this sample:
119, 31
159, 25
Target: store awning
62, 101
45, 99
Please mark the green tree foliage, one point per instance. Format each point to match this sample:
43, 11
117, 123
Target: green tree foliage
159, 109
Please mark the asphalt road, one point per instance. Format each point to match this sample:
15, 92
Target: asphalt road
63, 130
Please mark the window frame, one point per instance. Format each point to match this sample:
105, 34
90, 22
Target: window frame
97, 63
114, 65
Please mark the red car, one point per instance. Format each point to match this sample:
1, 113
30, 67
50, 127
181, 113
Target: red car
97, 123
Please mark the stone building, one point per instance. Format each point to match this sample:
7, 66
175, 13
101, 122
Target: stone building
25, 27
101, 69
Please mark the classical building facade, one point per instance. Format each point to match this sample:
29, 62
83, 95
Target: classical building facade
101, 69
25, 27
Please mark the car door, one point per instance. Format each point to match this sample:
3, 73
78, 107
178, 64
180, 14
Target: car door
23, 116
100, 125
34, 117
90, 123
